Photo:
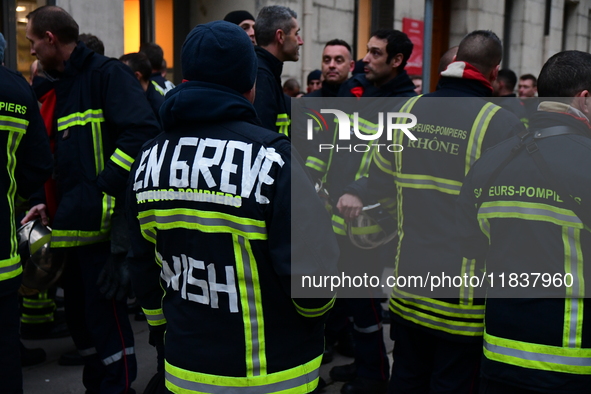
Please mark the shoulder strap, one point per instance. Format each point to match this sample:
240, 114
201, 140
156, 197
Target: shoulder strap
534, 152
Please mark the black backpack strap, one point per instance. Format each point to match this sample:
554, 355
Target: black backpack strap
533, 151
493, 177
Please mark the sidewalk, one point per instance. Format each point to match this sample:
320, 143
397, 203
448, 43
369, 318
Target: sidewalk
51, 378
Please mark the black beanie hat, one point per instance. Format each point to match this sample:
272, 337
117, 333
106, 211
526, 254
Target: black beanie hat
316, 74
219, 52
236, 17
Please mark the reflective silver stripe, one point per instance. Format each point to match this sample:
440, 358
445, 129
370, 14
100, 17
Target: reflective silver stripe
87, 352
485, 210
79, 119
277, 387
9, 268
153, 318
485, 225
118, 356
121, 158
210, 222
252, 307
429, 182
438, 323
539, 357
574, 290
15, 126
442, 308
368, 330
479, 131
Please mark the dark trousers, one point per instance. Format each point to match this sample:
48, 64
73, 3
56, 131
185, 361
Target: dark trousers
11, 375
488, 386
99, 327
425, 363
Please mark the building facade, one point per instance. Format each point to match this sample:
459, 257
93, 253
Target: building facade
531, 30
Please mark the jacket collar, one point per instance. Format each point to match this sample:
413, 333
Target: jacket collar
273, 64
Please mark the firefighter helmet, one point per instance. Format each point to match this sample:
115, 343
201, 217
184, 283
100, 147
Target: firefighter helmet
375, 226
41, 268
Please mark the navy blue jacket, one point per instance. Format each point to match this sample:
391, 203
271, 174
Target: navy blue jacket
212, 196
102, 120
26, 163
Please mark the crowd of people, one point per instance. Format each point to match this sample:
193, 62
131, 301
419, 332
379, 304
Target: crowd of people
207, 202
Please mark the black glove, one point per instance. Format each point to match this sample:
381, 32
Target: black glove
114, 281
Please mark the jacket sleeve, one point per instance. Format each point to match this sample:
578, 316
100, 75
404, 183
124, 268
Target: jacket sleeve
131, 123
266, 100
310, 248
473, 241
34, 159
144, 266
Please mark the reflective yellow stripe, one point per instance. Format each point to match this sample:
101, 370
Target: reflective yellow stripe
314, 312
297, 380
478, 132
438, 306
283, 123
122, 159
338, 225
209, 222
383, 164
10, 268
427, 182
573, 307
37, 319
14, 139
529, 211
538, 356
80, 119
376, 228
252, 308
155, 317
97, 141
397, 138
158, 88
10, 123
70, 238
450, 326
467, 292
316, 164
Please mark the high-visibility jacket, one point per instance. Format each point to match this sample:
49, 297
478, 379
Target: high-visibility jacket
272, 105
523, 226
103, 118
425, 178
26, 163
211, 197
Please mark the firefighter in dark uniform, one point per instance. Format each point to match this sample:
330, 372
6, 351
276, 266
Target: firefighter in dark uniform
212, 208
100, 121
26, 161
343, 173
278, 37
534, 209
438, 339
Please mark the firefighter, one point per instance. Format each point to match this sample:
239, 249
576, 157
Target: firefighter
438, 336
26, 162
212, 208
99, 119
538, 221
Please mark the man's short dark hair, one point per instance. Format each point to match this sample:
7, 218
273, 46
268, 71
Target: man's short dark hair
531, 77
92, 42
138, 62
482, 49
340, 42
398, 42
56, 20
270, 19
508, 77
154, 53
565, 74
